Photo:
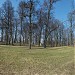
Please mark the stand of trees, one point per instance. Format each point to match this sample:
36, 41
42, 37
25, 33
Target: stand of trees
33, 23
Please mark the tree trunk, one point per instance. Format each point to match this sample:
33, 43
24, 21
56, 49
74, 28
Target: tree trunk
30, 27
21, 34
2, 35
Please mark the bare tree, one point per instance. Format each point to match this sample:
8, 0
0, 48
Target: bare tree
48, 4
71, 21
8, 20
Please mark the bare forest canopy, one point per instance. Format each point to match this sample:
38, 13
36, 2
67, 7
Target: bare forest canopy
34, 24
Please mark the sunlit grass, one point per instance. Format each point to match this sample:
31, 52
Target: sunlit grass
37, 61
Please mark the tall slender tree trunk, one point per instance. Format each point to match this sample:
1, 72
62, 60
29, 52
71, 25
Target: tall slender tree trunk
2, 32
48, 17
71, 35
30, 37
30, 27
15, 40
2, 35
45, 39
30, 40
39, 40
7, 36
21, 34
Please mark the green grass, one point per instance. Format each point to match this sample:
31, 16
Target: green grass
37, 61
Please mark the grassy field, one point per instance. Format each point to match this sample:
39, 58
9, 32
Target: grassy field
37, 61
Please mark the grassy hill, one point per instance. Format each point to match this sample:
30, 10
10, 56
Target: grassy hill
15, 60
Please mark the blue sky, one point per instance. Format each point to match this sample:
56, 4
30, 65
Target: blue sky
61, 8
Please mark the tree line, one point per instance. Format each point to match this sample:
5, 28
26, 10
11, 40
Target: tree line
33, 23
